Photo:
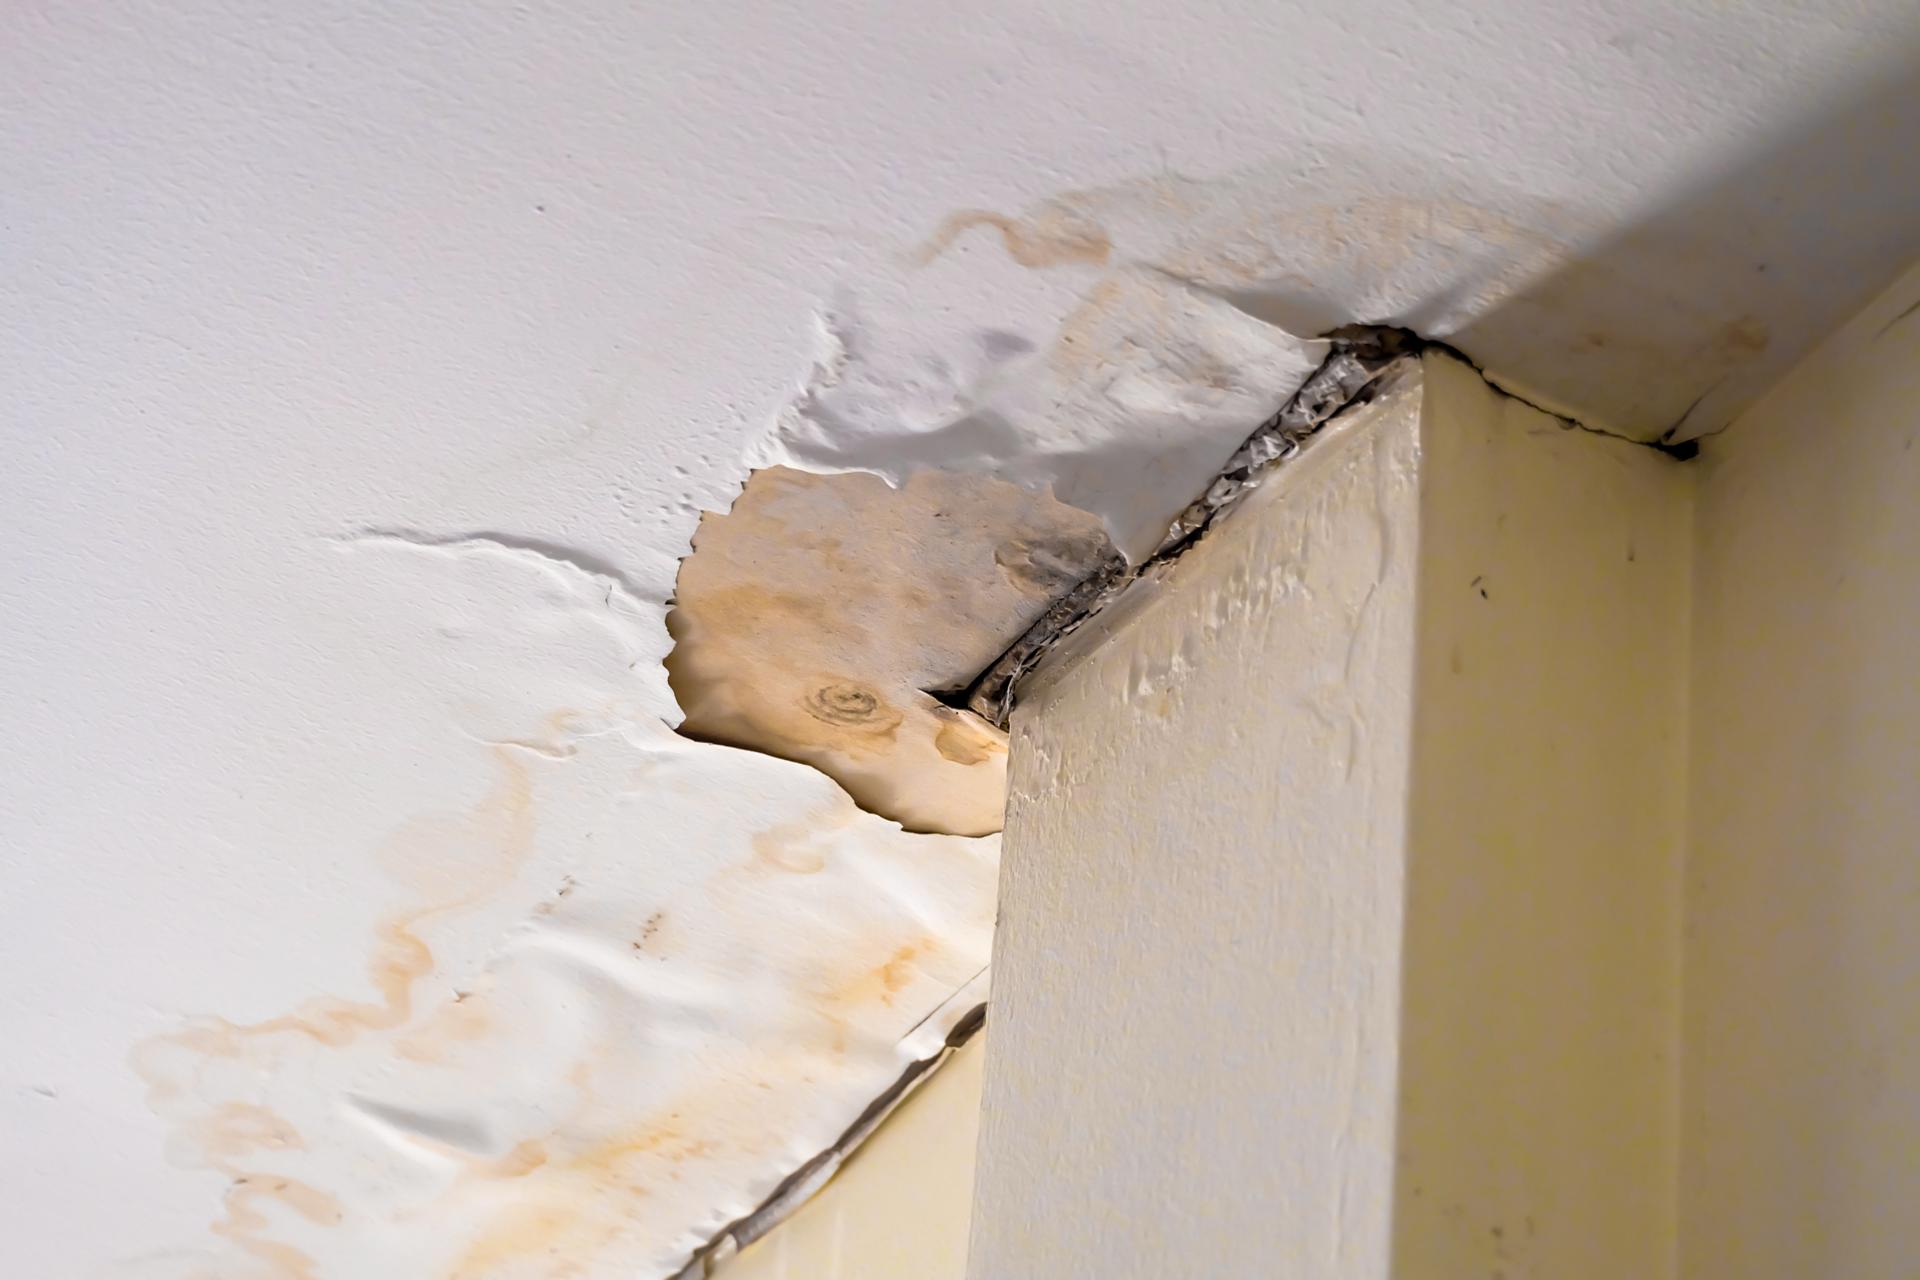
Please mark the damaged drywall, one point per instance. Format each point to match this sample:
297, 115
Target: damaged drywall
1131, 405
605, 1020
815, 621
817, 618
376, 369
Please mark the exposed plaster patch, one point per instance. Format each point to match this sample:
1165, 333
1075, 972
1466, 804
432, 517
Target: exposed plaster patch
1357, 363
815, 618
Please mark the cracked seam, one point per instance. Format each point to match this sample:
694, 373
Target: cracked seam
1347, 377
799, 1186
1351, 375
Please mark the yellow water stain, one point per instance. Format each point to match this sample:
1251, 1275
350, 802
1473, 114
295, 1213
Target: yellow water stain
519, 1232
811, 619
881, 983
463, 1020
801, 847
575, 1206
311, 1203
1054, 237
846, 1003
522, 1160
966, 739
489, 842
455, 859
283, 1260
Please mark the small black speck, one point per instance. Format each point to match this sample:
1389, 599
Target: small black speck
539, 208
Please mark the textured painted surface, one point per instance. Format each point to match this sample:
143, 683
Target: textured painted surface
1802, 1152
1197, 982
1539, 1027
899, 1209
526, 291
1340, 894
591, 1000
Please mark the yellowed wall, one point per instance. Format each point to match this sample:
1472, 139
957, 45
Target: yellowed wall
1538, 1070
1520, 882
1802, 1094
898, 1210
1340, 894
1196, 977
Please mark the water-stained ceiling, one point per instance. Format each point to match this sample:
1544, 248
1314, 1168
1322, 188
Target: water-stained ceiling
372, 367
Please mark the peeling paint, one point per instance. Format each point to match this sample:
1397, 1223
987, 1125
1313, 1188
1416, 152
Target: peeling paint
377, 372
816, 619
1146, 389
564, 1052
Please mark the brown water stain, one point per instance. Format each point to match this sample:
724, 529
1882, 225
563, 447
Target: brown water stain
523, 1231
576, 1206
801, 847
1053, 237
522, 1160
222, 1140
848, 704
812, 617
228, 1136
464, 1019
843, 1004
880, 984
965, 739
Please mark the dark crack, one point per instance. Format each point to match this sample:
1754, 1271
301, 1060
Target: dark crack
1352, 375
797, 1187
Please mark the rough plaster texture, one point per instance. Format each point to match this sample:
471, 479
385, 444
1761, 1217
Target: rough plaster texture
1340, 893
1802, 1151
367, 368
1197, 992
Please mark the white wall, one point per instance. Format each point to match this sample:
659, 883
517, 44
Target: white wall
1802, 1096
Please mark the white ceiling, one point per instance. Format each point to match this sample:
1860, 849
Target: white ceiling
365, 370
